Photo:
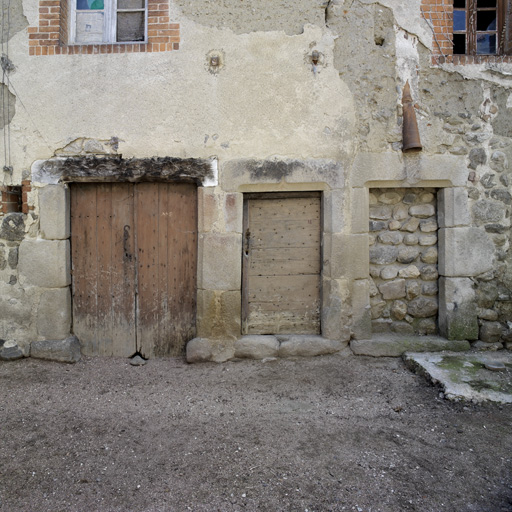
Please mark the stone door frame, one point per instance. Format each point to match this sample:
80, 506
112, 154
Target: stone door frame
463, 251
50, 178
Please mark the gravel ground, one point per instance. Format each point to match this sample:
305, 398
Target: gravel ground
329, 433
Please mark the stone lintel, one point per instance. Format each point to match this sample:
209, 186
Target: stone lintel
237, 174
116, 169
394, 169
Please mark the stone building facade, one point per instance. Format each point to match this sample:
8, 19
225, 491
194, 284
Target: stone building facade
310, 229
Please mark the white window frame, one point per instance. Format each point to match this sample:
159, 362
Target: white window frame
110, 11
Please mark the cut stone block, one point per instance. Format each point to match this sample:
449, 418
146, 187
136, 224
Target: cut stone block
220, 261
465, 252
336, 314
360, 210
458, 313
63, 351
307, 346
54, 313
452, 207
218, 314
389, 166
54, 214
361, 311
333, 204
45, 263
349, 256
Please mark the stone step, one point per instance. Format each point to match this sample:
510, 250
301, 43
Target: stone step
396, 345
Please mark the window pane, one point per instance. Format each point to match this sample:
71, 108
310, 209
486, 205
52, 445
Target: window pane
486, 3
130, 4
130, 26
459, 44
486, 20
459, 20
86, 5
89, 27
459, 4
486, 44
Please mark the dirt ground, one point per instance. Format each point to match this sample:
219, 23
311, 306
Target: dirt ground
328, 433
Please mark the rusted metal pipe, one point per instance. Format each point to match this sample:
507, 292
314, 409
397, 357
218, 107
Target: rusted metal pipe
410, 133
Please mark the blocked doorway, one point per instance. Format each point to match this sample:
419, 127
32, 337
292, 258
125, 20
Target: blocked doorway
134, 260
404, 260
281, 263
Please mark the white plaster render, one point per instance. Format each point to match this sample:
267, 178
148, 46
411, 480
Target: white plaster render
497, 73
407, 60
406, 15
265, 101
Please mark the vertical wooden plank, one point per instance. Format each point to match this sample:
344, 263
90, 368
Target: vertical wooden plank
123, 270
146, 228
162, 341
182, 266
85, 266
104, 319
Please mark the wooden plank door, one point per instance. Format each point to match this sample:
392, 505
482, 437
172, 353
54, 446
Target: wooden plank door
282, 264
134, 267
103, 268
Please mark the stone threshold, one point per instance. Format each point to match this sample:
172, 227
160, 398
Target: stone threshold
392, 345
261, 347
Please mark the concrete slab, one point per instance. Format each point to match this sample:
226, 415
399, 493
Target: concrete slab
469, 376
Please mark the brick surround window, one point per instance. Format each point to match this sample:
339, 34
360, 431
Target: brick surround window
470, 31
68, 27
14, 198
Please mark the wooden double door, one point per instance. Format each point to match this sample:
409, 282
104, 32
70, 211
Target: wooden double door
134, 259
281, 263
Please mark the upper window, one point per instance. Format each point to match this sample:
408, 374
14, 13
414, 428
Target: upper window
479, 27
108, 21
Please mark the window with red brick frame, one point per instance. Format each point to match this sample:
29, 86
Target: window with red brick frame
470, 31
68, 27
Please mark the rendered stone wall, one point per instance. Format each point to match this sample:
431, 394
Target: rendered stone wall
490, 204
403, 260
35, 298
268, 103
